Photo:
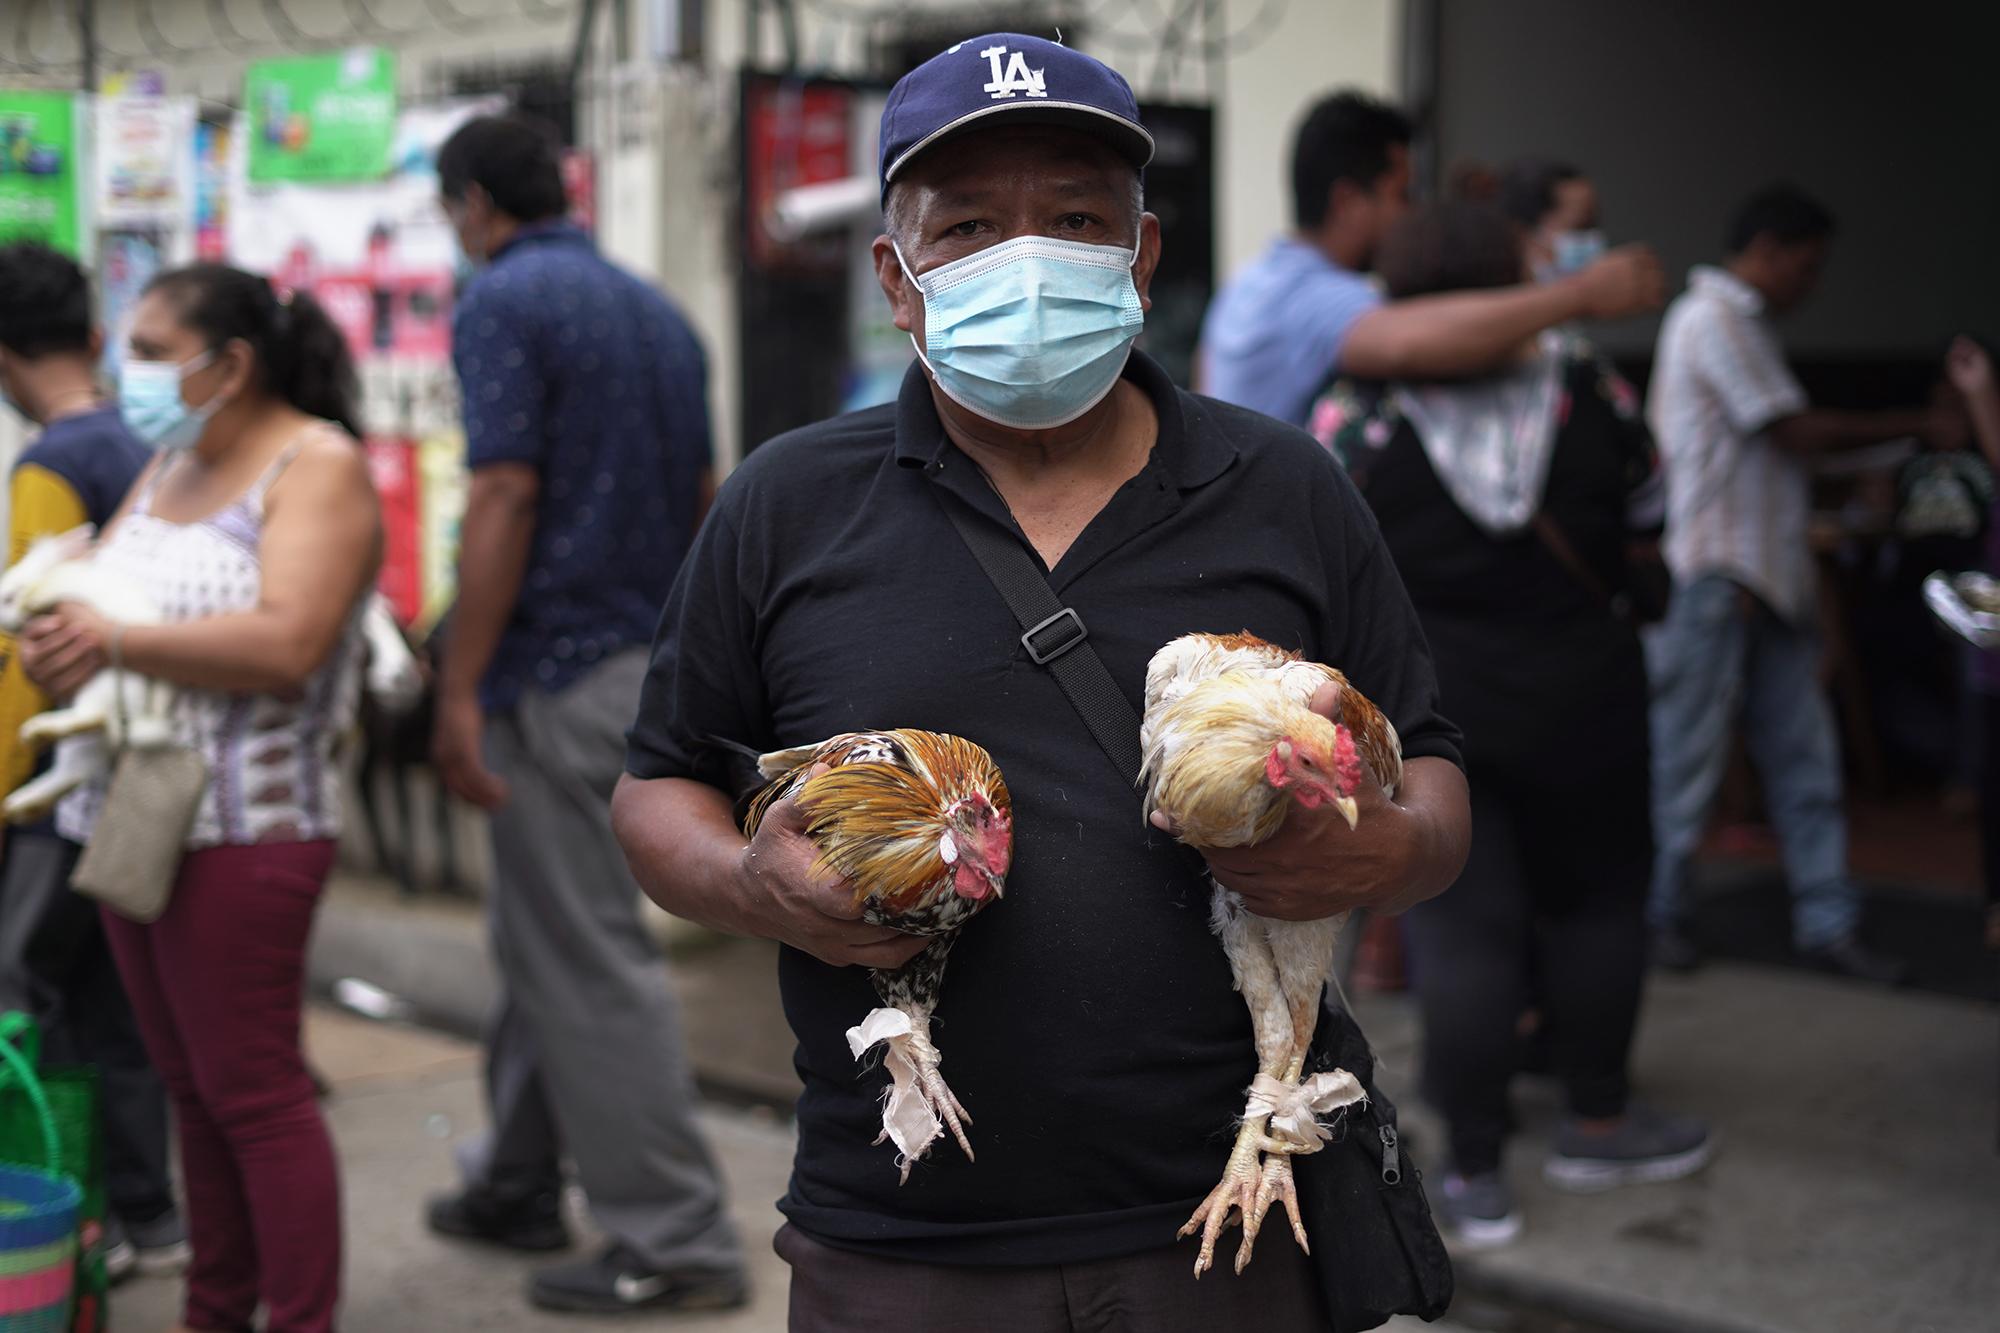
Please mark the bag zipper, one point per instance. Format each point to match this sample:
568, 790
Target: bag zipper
1392, 1167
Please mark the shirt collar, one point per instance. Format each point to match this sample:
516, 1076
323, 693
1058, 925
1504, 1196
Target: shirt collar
1192, 449
552, 231
1726, 286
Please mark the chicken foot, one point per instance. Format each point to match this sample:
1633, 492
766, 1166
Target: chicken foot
918, 1104
1237, 1190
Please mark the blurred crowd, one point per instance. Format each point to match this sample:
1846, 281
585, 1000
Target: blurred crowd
1615, 585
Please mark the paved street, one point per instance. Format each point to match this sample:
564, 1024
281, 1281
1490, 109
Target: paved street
401, 1096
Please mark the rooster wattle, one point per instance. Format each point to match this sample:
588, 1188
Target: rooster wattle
1230, 742
921, 825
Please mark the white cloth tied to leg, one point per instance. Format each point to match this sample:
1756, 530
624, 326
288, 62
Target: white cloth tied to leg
1294, 1110
908, 1118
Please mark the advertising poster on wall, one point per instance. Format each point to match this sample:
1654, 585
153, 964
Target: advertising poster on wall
38, 170
323, 117
145, 163
211, 191
381, 258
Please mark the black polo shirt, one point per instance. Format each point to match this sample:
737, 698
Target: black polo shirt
1087, 1020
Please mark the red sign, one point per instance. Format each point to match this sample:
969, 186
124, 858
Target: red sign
794, 134
393, 466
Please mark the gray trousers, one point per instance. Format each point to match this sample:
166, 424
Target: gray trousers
585, 1054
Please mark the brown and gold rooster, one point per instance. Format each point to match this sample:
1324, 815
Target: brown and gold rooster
1230, 743
920, 823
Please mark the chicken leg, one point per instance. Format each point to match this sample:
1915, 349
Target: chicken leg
1256, 975
1303, 956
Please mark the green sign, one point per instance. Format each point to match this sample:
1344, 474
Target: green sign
38, 169
322, 118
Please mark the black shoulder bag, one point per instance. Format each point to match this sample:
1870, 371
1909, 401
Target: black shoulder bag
1375, 1248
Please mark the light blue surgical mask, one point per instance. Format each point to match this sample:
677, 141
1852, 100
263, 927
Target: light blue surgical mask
1031, 333
1575, 251
149, 398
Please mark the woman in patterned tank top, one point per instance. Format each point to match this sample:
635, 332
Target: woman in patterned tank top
257, 532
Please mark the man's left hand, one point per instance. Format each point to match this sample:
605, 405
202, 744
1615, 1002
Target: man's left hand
1315, 866
458, 751
60, 652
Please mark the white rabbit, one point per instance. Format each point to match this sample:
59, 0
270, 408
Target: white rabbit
53, 571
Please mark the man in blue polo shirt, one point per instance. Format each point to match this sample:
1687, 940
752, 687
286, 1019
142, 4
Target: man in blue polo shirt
586, 429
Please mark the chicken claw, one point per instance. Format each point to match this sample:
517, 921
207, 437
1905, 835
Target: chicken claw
1276, 1184
1236, 1191
945, 1102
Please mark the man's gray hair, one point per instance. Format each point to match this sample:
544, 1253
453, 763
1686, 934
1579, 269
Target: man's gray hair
900, 222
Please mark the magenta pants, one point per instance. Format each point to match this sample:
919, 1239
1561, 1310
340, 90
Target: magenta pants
217, 984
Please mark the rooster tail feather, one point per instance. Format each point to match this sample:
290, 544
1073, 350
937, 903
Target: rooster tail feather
777, 763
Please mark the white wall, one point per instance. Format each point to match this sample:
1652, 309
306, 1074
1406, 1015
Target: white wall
1320, 45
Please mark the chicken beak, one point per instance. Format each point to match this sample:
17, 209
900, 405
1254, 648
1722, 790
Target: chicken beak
997, 884
1349, 810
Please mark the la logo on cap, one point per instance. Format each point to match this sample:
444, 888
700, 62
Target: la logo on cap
1017, 78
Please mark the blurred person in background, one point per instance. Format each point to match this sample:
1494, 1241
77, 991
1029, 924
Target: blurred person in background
1555, 206
257, 533
1969, 364
1508, 503
54, 960
586, 424
1740, 643
1303, 312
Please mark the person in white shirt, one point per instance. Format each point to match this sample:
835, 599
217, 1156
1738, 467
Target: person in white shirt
1739, 645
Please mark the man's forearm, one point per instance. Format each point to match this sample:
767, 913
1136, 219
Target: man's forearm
1454, 334
1819, 430
494, 540
1435, 790
681, 840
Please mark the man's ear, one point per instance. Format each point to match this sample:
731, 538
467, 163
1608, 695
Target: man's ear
96, 344
904, 299
1147, 262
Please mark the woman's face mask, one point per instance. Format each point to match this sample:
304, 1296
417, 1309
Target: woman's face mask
1031, 333
149, 398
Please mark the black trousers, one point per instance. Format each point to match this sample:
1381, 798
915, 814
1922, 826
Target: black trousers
55, 964
837, 1291
1989, 798
1549, 914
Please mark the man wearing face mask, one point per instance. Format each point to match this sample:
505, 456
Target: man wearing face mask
54, 961
586, 424
1091, 1024
1555, 207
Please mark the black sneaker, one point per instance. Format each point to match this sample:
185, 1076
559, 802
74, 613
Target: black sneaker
530, 1222
1851, 958
159, 1245
1478, 1211
121, 1256
1674, 950
1647, 1146
616, 1281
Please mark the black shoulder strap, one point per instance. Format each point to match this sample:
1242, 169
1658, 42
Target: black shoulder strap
1054, 637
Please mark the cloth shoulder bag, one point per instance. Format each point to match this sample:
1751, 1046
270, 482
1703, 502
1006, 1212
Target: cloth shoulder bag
149, 807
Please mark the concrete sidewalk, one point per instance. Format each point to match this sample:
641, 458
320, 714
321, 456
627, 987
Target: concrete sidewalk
401, 1096
1857, 1186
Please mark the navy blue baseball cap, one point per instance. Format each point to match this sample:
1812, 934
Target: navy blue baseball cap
1029, 80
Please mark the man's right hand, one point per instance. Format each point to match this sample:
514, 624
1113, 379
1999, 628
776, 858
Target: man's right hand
1627, 281
783, 898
